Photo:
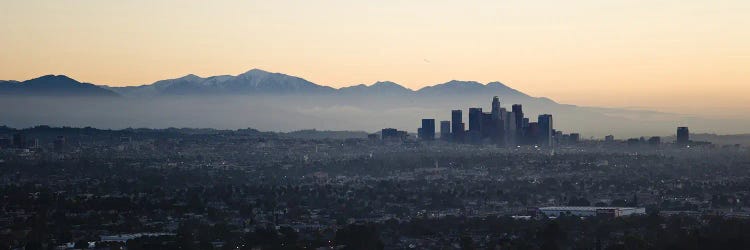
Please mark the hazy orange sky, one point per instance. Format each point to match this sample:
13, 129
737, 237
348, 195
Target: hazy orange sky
674, 55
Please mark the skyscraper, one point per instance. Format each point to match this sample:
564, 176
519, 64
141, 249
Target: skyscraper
445, 130
509, 126
475, 125
496, 108
427, 130
683, 135
518, 112
532, 133
545, 130
489, 126
459, 136
525, 136
457, 127
475, 119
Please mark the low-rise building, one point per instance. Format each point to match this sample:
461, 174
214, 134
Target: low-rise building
592, 211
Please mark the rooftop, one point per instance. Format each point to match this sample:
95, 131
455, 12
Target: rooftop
587, 208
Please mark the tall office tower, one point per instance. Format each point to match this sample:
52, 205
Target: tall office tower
19, 140
474, 133
459, 136
496, 108
475, 119
532, 133
518, 112
520, 127
683, 135
501, 127
489, 126
445, 130
457, 129
509, 125
496, 125
427, 130
545, 130
525, 138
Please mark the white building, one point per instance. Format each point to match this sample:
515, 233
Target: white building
592, 211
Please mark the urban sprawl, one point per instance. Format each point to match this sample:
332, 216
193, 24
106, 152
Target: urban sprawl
503, 183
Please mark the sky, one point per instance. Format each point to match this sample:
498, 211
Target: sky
685, 56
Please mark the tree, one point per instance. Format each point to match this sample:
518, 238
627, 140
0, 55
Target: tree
467, 243
364, 237
551, 236
81, 244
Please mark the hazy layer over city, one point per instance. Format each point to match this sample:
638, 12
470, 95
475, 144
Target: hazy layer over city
289, 113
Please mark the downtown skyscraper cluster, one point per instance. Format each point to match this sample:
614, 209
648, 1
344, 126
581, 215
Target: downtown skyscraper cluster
499, 126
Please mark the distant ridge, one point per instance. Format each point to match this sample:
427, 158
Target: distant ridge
252, 82
469, 87
257, 81
379, 88
280, 102
53, 85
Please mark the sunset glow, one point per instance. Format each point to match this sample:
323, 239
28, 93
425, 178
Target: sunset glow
666, 55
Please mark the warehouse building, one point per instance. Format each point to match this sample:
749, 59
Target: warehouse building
591, 211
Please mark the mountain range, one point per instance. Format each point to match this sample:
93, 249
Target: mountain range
53, 85
280, 102
253, 82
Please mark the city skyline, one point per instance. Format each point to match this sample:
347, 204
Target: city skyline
613, 54
497, 127
263, 95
